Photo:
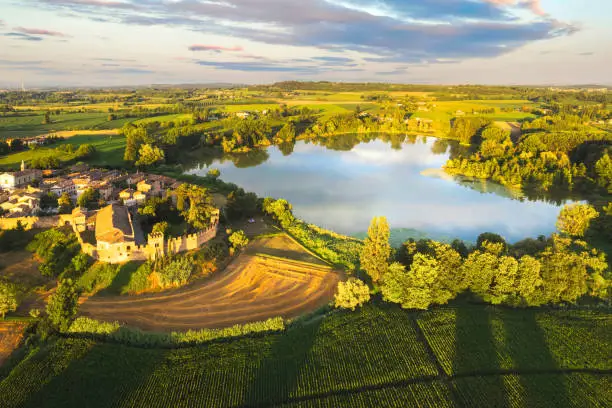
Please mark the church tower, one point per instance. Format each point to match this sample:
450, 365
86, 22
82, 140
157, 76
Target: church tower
22, 165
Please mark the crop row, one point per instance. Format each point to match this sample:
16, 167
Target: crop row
346, 359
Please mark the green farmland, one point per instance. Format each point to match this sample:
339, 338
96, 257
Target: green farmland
31, 124
109, 151
472, 356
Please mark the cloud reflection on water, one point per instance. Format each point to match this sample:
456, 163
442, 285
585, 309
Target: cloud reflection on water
343, 190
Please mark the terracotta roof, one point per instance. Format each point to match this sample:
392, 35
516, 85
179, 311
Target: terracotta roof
113, 225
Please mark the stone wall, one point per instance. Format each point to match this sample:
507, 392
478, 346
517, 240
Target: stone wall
155, 247
31, 222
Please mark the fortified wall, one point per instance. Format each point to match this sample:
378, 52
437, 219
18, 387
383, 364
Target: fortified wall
157, 246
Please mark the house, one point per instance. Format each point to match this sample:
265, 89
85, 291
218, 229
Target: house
139, 197
22, 203
460, 113
150, 186
243, 115
127, 196
104, 188
113, 226
17, 179
63, 186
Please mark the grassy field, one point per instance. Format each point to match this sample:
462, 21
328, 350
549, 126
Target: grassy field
109, 151
274, 276
166, 118
31, 125
445, 110
472, 356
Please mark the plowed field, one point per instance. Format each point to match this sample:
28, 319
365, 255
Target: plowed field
274, 276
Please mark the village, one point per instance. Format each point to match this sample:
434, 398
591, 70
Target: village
101, 206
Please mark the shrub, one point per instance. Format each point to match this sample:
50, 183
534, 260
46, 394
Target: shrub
113, 331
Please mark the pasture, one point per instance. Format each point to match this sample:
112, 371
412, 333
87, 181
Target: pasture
446, 110
109, 151
274, 276
379, 355
28, 125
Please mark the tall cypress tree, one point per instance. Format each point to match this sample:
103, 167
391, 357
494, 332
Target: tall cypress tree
376, 251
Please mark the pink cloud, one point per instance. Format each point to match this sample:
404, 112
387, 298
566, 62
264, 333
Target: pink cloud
534, 5
38, 31
218, 48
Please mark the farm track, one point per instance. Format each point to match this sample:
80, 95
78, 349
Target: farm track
251, 288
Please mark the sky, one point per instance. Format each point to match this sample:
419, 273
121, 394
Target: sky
140, 42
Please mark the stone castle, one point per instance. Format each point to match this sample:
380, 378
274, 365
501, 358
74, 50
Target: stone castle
118, 239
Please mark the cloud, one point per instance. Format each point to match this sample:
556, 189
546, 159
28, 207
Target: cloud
216, 48
38, 31
534, 5
2, 24
21, 63
587, 54
21, 36
334, 60
113, 60
255, 67
407, 31
127, 71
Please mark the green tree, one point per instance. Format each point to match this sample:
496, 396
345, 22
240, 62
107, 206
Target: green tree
63, 305
161, 227
8, 298
603, 169
89, 199
575, 219
46, 118
149, 155
197, 205
413, 289
213, 173
65, 203
48, 201
238, 239
85, 151
376, 250
351, 294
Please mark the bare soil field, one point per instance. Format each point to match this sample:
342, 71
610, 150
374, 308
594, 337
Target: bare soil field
10, 337
274, 276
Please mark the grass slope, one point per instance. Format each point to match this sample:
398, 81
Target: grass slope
382, 356
109, 151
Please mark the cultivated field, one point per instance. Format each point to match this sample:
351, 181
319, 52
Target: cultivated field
380, 355
31, 124
273, 277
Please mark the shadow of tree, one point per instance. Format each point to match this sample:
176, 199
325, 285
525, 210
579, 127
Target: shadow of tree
476, 352
537, 390
121, 279
91, 378
277, 377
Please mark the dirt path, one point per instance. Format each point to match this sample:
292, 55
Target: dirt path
255, 286
513, 127
11, 334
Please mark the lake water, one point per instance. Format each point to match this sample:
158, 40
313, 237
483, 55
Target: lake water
343, 189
